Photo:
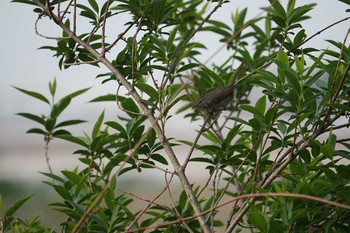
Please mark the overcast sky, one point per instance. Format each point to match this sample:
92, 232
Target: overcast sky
22, 65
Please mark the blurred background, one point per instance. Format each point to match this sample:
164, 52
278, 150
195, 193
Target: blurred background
23, 65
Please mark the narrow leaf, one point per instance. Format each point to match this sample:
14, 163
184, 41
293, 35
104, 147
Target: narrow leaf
149, 90
32, 117
33, 94
252, 110
94, 5
108, 97
52, 87
73, 139
59, 107
10, 211
70, 122
53, 176
97, 127
37, 131
79, 92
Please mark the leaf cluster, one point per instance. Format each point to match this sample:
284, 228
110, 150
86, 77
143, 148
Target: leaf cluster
287, 141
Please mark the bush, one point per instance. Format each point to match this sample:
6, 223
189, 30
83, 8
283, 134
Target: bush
279, 164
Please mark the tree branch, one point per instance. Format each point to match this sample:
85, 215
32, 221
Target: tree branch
162, 138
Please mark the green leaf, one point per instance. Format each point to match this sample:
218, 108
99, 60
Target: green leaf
72, 176
240, 20
158, 45
212, 137
240, 120
129, 105
285, 71
60, 106
50, 124
293, 80
253, 110
151, 138
232, 133
282, 127
37, 131
187, 66
53, 176
271, 114
73, 139
171, 38
278, 9
60, 132
182, 201
63, 192
327, 151
202, 160
291, 6
298, 14
29, 2
52, 87
32, 117
259, 221
344, 107
217, 30
149, 90
114, 162
116, 126
70, 122
299, 63
10, 211
329, 147
283, 57
94, 5
261, 104
345, 1
87, 12
97, 127
299, 38
79, 92
159, 158
279, 21
219, 24
108, 97
34, 94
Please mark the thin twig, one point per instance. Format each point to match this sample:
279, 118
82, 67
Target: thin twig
104, 28
121, 107
133, 45
66, 10
46, 148
318, 33
176, 212
249, 196
150, 203
81, 63
155, 166
188, 157
173, 64
75, 17
120, 36
41, 35
101, 194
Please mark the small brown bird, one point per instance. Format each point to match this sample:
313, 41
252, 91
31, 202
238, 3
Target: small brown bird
218, 98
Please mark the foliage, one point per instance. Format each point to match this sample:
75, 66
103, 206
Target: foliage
289, 141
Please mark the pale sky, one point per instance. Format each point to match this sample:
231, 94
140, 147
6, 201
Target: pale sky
22, 65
